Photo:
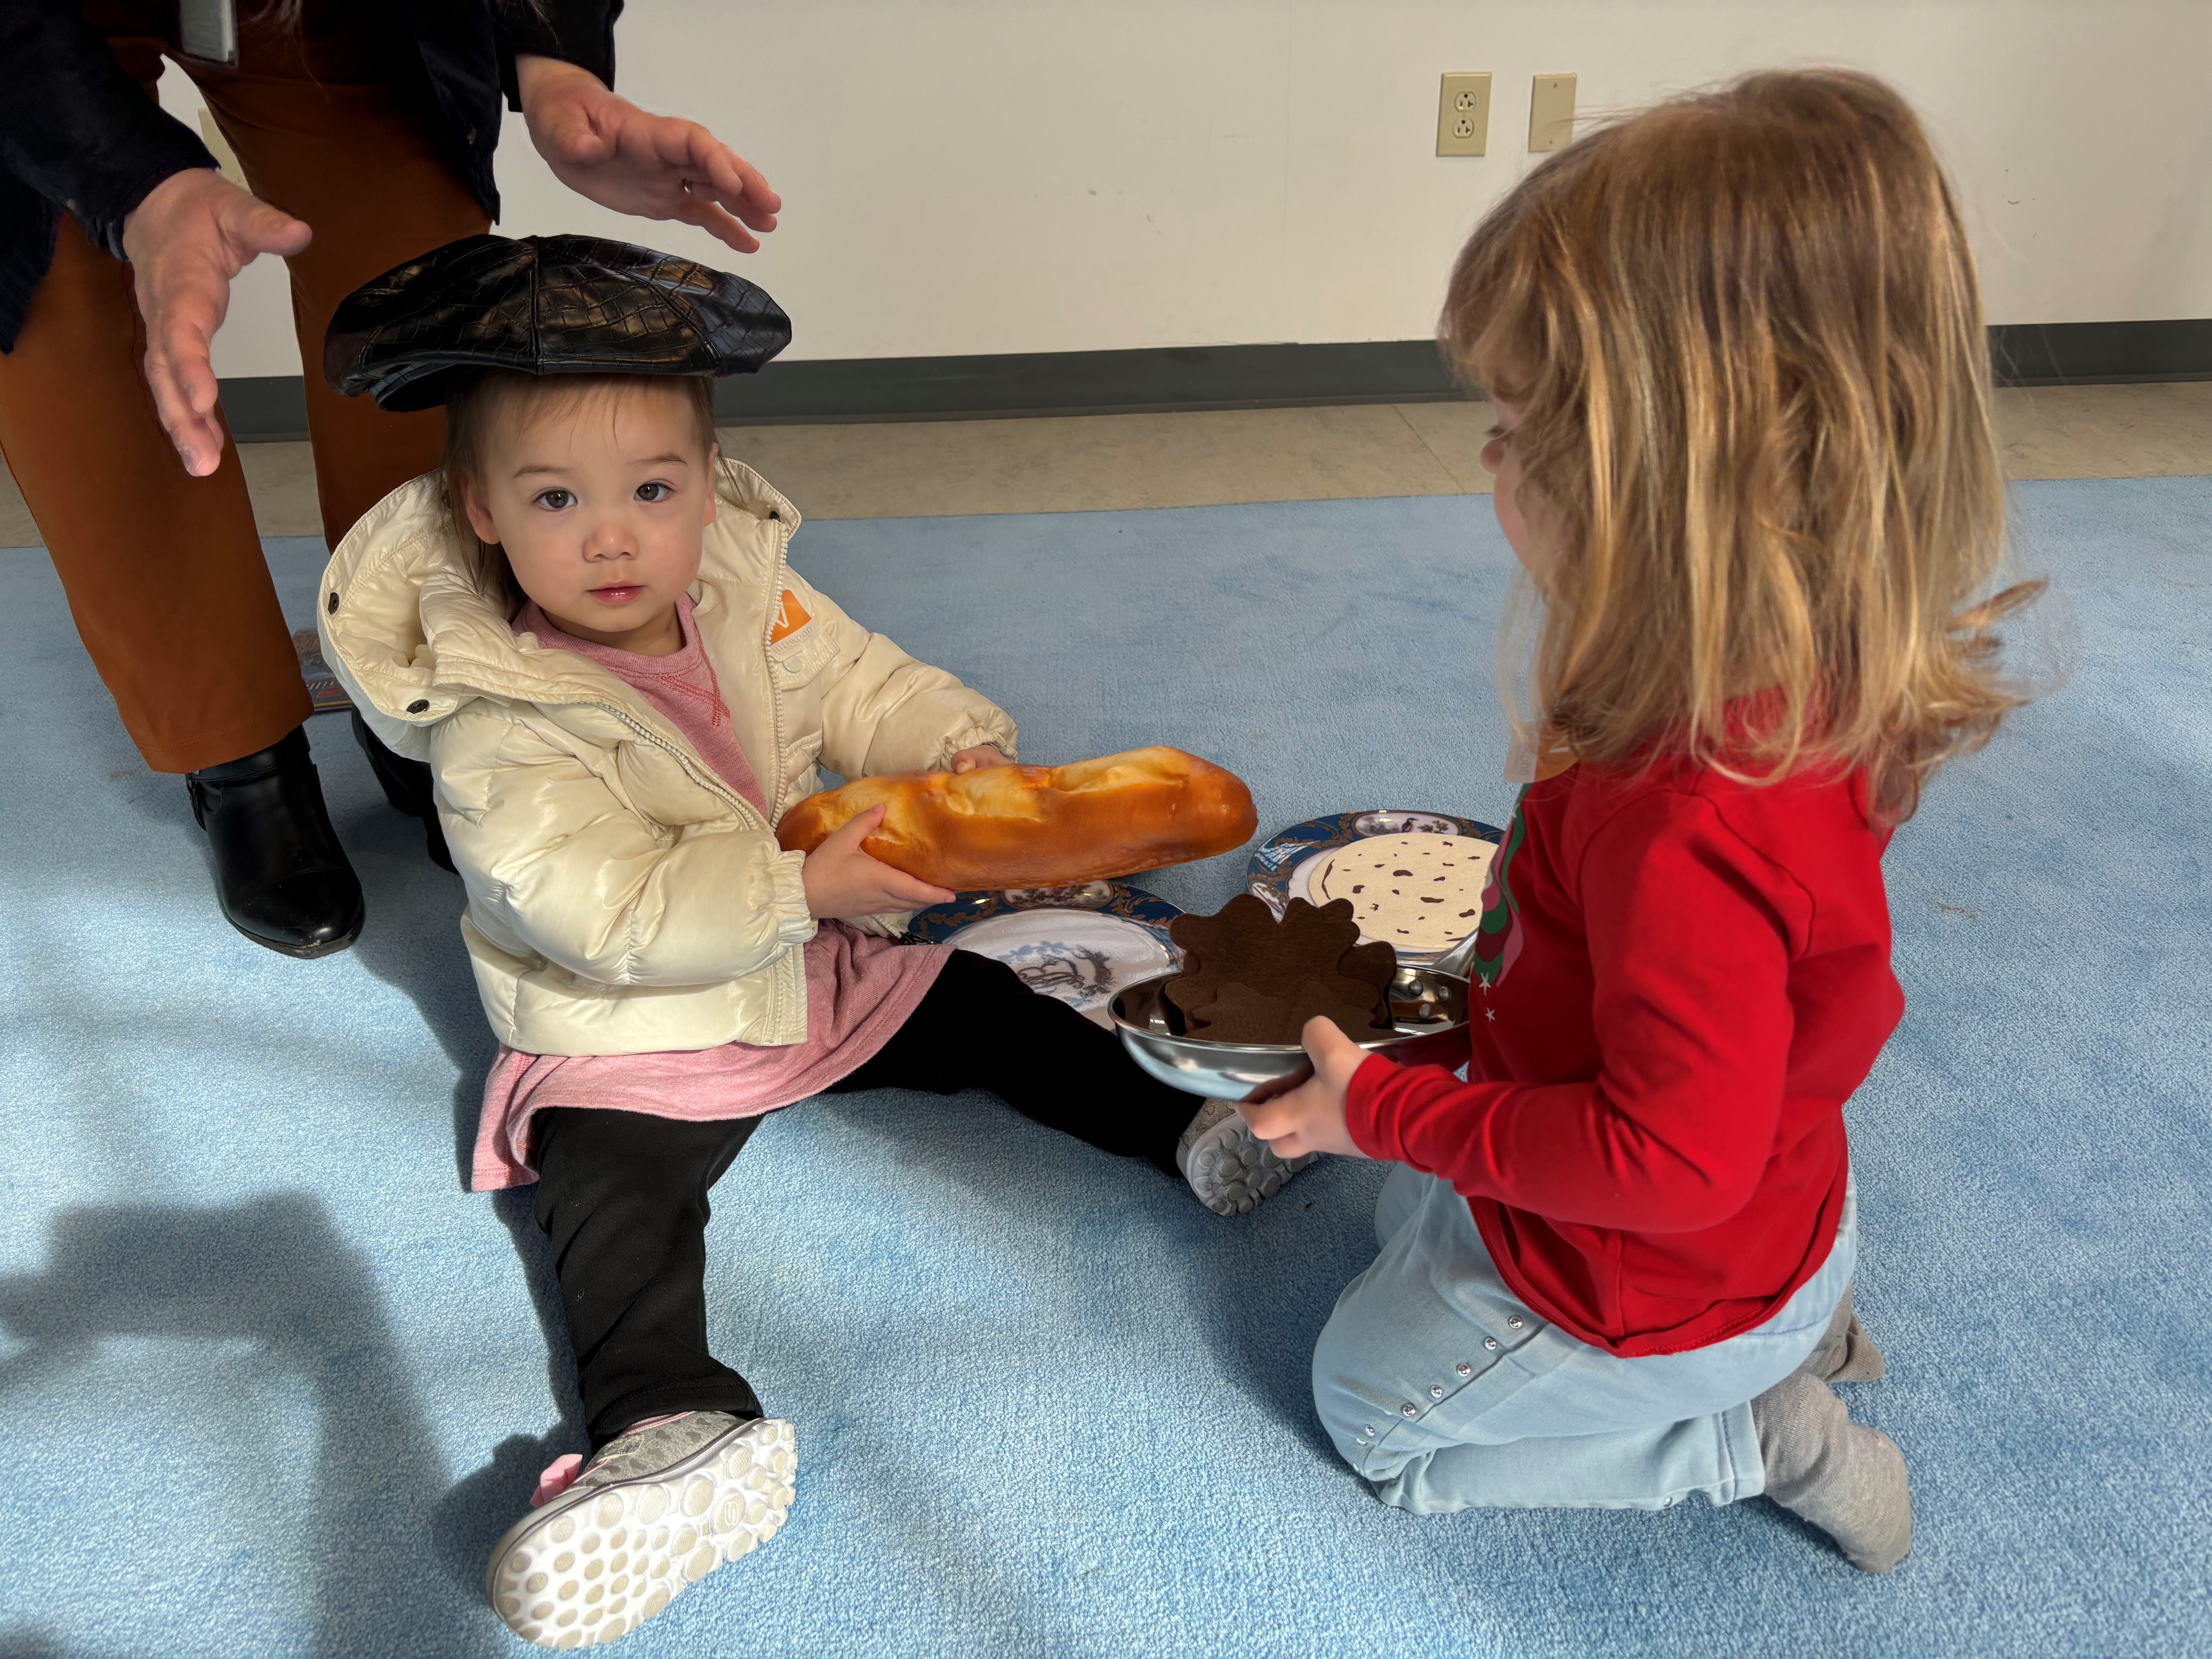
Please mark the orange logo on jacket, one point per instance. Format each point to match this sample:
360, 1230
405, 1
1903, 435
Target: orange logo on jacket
790, 617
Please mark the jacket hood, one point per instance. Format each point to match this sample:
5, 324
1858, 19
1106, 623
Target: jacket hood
413, 637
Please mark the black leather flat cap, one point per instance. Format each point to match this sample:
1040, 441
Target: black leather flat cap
543, 305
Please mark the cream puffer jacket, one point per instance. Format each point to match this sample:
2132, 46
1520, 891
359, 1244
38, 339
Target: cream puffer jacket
620, 898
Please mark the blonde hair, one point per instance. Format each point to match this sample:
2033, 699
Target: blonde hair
474, 407
1742, 331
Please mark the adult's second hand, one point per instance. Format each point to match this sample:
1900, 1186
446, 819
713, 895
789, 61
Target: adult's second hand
654, 167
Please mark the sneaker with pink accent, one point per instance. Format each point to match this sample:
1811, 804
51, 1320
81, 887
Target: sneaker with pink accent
653, 1512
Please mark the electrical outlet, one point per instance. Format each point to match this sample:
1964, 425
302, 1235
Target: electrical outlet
1551, 112
1464, 115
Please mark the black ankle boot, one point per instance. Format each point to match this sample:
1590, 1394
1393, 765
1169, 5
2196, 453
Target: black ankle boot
407, 786
281, 875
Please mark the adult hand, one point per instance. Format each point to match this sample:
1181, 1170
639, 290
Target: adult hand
195, 231
841, 880
986, 754
1310, 1117
656, 166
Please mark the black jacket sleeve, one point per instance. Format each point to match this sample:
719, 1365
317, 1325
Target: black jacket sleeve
77, 130
578, 32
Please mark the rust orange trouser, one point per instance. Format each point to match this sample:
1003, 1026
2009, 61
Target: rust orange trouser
164, 572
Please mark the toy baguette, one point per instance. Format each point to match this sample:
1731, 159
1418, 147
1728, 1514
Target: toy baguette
1039, 826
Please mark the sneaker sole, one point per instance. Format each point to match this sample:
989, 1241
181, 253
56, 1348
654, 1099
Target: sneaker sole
1253, 1185
589, 1568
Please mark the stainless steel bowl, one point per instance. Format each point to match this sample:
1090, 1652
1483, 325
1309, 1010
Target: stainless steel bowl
1429, 1008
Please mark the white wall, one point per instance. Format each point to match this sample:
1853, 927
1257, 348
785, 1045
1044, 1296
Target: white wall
1031, 175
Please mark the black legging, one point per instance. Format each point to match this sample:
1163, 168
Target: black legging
623, 1196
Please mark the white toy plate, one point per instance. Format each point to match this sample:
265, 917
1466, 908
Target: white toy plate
1081, 957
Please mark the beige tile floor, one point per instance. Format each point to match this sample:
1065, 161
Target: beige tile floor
1090, 463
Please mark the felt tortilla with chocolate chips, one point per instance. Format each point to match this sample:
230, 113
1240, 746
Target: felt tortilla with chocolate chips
1417, 892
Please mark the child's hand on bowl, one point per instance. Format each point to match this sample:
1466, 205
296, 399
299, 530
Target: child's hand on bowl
1310, 1117
842, 881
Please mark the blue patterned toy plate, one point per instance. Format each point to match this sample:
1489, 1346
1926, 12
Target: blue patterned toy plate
1079, 944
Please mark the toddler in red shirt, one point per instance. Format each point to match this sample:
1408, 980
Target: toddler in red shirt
1745, 452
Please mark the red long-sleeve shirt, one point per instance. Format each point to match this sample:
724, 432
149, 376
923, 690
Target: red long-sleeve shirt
1684, 979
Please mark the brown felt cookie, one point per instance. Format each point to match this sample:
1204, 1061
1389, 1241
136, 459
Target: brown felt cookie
1248, 978
1240, 1014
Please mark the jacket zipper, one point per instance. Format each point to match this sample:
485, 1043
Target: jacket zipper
775, 726
778, 1011
773, 608
713, 786
779, 1006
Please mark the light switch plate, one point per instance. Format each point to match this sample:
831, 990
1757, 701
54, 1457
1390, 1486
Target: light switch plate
1464, 115
1551, 112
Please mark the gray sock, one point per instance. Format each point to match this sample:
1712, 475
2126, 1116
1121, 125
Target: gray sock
1846, 1354
1845, 1478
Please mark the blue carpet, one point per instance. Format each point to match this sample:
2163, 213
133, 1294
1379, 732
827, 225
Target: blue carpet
272, 1383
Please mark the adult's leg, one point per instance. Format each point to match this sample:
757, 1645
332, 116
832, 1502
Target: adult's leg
164, 571
340, 129
980, 1027
333, 122
623, 1196
171, 595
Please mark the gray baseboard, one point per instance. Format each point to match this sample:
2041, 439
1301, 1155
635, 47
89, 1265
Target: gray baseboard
271, 408
1087, 382
264, 408
2101, 353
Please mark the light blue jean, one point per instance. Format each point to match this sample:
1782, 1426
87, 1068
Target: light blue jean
1442, 1390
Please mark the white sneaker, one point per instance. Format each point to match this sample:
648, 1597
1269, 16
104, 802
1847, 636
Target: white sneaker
651, 1515
1229, 1167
